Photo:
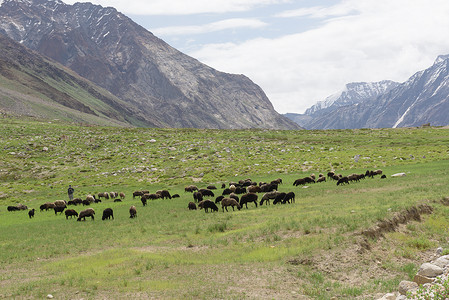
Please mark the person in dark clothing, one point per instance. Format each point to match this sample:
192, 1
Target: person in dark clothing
70, 192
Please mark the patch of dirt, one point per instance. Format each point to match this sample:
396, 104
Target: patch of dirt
370, 256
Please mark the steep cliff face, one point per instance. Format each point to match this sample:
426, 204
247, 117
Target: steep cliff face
31, 85
167, 87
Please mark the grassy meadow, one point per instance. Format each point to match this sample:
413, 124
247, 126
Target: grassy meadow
306, 250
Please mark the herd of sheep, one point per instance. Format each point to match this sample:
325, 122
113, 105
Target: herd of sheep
235, 195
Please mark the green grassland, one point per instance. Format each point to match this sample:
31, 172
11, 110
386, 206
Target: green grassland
306, 250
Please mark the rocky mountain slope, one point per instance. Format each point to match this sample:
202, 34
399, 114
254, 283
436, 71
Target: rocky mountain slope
422, 99
167, 87
31, 85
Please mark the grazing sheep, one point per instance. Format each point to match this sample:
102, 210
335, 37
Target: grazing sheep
253, 189
219, 198
383, 176
206, 193
122, 195
113, 195
240, 190
175, 196
226, 192
191, 188
232, 188
77, 201
321, 179
47, 206
132, 212
59, 209
267, 196
268, 188
343, 180
206, 204
117, 200
143, 200
250, 197
223, 185
12, 208
104, 195
211, 187
277, 181
90, 199
229, 202
86, 202
299, 181
279, 198
107, 214
70, 213
88, 212
137, 194
197, 197
330, 175
234, 196
151, 196
309, 179
290, 196
191, 206
31, 213
164, 194
60, 203
97, 200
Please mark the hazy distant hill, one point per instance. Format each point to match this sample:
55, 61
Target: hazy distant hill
161, 85
422, 99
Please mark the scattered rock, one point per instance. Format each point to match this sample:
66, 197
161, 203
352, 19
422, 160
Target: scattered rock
407, 286
430, 270
50, 296
399, 175
419, 279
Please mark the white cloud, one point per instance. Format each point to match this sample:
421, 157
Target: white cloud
383, 40
211, 27
180, 7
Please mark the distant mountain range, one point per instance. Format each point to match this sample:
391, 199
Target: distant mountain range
123, 74
422, 99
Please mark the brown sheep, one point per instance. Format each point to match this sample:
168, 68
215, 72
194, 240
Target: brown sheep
253, 189
89, 212
132, 212
191, 188
60, 203
321, 179
267, 196
137, 193
70, 213
47, 206
90, 198
122, 195
250, 197
191, 206
225, 202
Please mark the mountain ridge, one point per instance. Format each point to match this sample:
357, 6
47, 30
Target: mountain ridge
422, 99
168, 88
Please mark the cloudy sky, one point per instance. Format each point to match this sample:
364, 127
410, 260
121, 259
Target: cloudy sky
300, 51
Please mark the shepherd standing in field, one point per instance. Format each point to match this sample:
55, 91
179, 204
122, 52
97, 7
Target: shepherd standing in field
70, 192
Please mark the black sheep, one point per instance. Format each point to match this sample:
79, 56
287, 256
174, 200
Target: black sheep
206, 204
175, 196
219, 198
206, 192
59, 209
31, 213
279, 198
343, 180
197, 196
107, 214
70, 213
144, 201
291, 196
191, 206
